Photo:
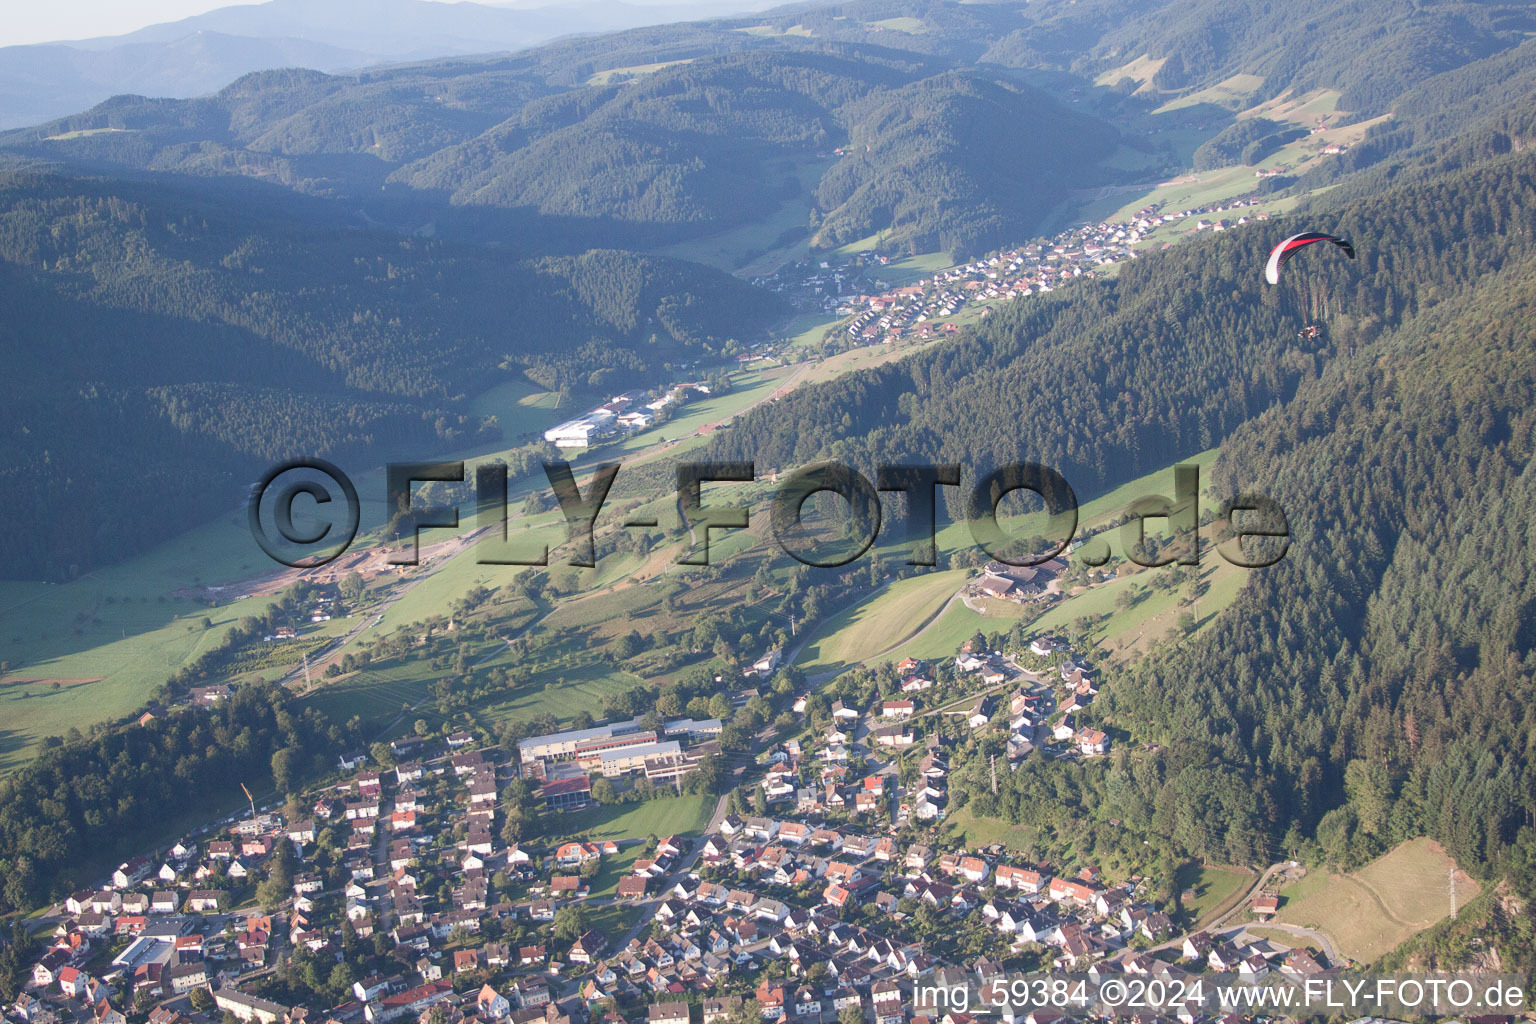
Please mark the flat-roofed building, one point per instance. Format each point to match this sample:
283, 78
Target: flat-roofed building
613, 763
558, 745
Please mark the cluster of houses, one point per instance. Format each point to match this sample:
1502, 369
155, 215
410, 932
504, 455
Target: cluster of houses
736, 915
807, 908
167, 918
1078, 689
919, 309
836, 780
817, 284
835, 774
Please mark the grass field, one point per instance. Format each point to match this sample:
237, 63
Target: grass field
809, 329
977, 832
879, 623
128, 627
902, 272
1154, 614
614, 919
633, 71
1298, 109
630, 822
769, 30
1369, 912
862, 358
106, 646
911, 26
561, 692
84, 133
1228, 93
1127, 631
1220, 184
1214, 886
1141, 70
955, 625
519, 407
858, 245
762, 246
376, 694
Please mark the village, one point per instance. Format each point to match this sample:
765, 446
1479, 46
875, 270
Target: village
824, 887
921, 310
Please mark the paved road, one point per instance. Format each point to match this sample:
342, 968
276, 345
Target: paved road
684, 866
376, 612
1221, 927
1315, 938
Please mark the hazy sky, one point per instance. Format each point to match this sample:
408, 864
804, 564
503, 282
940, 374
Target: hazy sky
31, 21
27, 22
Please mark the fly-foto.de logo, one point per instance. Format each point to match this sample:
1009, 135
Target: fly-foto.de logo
306, 512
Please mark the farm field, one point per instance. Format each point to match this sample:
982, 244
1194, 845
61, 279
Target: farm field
954, 626
1214, 186
127, 628
1149, 618
769, 30
956, 536
1369, 912
106, 649
375, 694
111, 637
561, 692
911, 26
861, 358
612, 75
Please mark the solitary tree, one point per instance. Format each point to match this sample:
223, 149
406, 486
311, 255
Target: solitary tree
570, 922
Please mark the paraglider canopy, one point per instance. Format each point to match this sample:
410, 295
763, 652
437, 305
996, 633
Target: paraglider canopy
1291, 246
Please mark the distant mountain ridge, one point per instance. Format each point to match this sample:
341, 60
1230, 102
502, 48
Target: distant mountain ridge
719, 130
199, 55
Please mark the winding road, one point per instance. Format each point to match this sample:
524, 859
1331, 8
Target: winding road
1228, 931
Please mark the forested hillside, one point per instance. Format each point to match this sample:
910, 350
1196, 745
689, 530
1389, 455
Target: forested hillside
98, 799
209, 342
1375, 685
1115, 378
962, 126
712, 142
1371, 51
1406, 604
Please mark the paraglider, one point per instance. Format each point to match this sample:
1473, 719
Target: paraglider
1291, 246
